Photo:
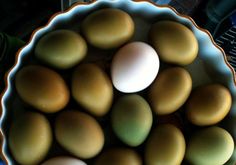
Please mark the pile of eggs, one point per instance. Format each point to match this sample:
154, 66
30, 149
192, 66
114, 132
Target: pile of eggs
127, 114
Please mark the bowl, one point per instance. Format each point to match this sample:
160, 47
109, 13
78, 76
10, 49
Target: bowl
210, 66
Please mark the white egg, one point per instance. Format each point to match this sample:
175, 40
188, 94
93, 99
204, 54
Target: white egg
64, 160
134, 67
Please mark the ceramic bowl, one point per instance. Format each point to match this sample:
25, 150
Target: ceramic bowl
210, 65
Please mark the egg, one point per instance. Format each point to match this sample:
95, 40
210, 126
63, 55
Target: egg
134, 67
175, 43
170, 90
131, 119
79, 133
61, 49
212, 145
208, 104
42, 88
108, 28
118, 156
92, 89
30, 138
63, 160
166, 145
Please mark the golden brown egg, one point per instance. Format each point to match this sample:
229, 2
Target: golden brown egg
119, 156
108, 28
79, 133
170, 90
166, 145
92, 89
30, 138
174, 42
42, 88
208, 104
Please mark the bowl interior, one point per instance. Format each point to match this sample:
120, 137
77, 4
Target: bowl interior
210, 65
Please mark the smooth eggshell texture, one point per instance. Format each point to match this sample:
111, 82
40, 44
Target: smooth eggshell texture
131, 119
208, 104
42, 88
63, 160
108, 28
79, 133
30, 138
174, 42
170, 90
61, 49
119, 156
212, 145
92, 89
134, 67
166, 145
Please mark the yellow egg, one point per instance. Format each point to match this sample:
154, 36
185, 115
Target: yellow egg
92, 89
30, 138
108, 28
79, 133
174, 42
166, 145
170, 90
208, 104
209, 146
119, 156
61, 49
42, 88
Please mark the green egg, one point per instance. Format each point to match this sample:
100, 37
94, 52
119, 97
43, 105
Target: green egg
131, 119
209, 146
61, 49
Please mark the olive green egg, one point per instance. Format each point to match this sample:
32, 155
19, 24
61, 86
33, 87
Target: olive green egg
208, 104
92, 89
212, 145
42, 88
170, 90
108, 28
174, 42
79, 133
118, 156
166, 145
61, 49
30, 138
131, 119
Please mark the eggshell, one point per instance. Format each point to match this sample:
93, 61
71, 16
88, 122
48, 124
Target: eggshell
170, 90
92, 89
79, 133
42, 88
30, 138
208, 104
131, 119
166, 145
108, 28
134, 67
209, 146
61, 49
174, 42
63, 160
